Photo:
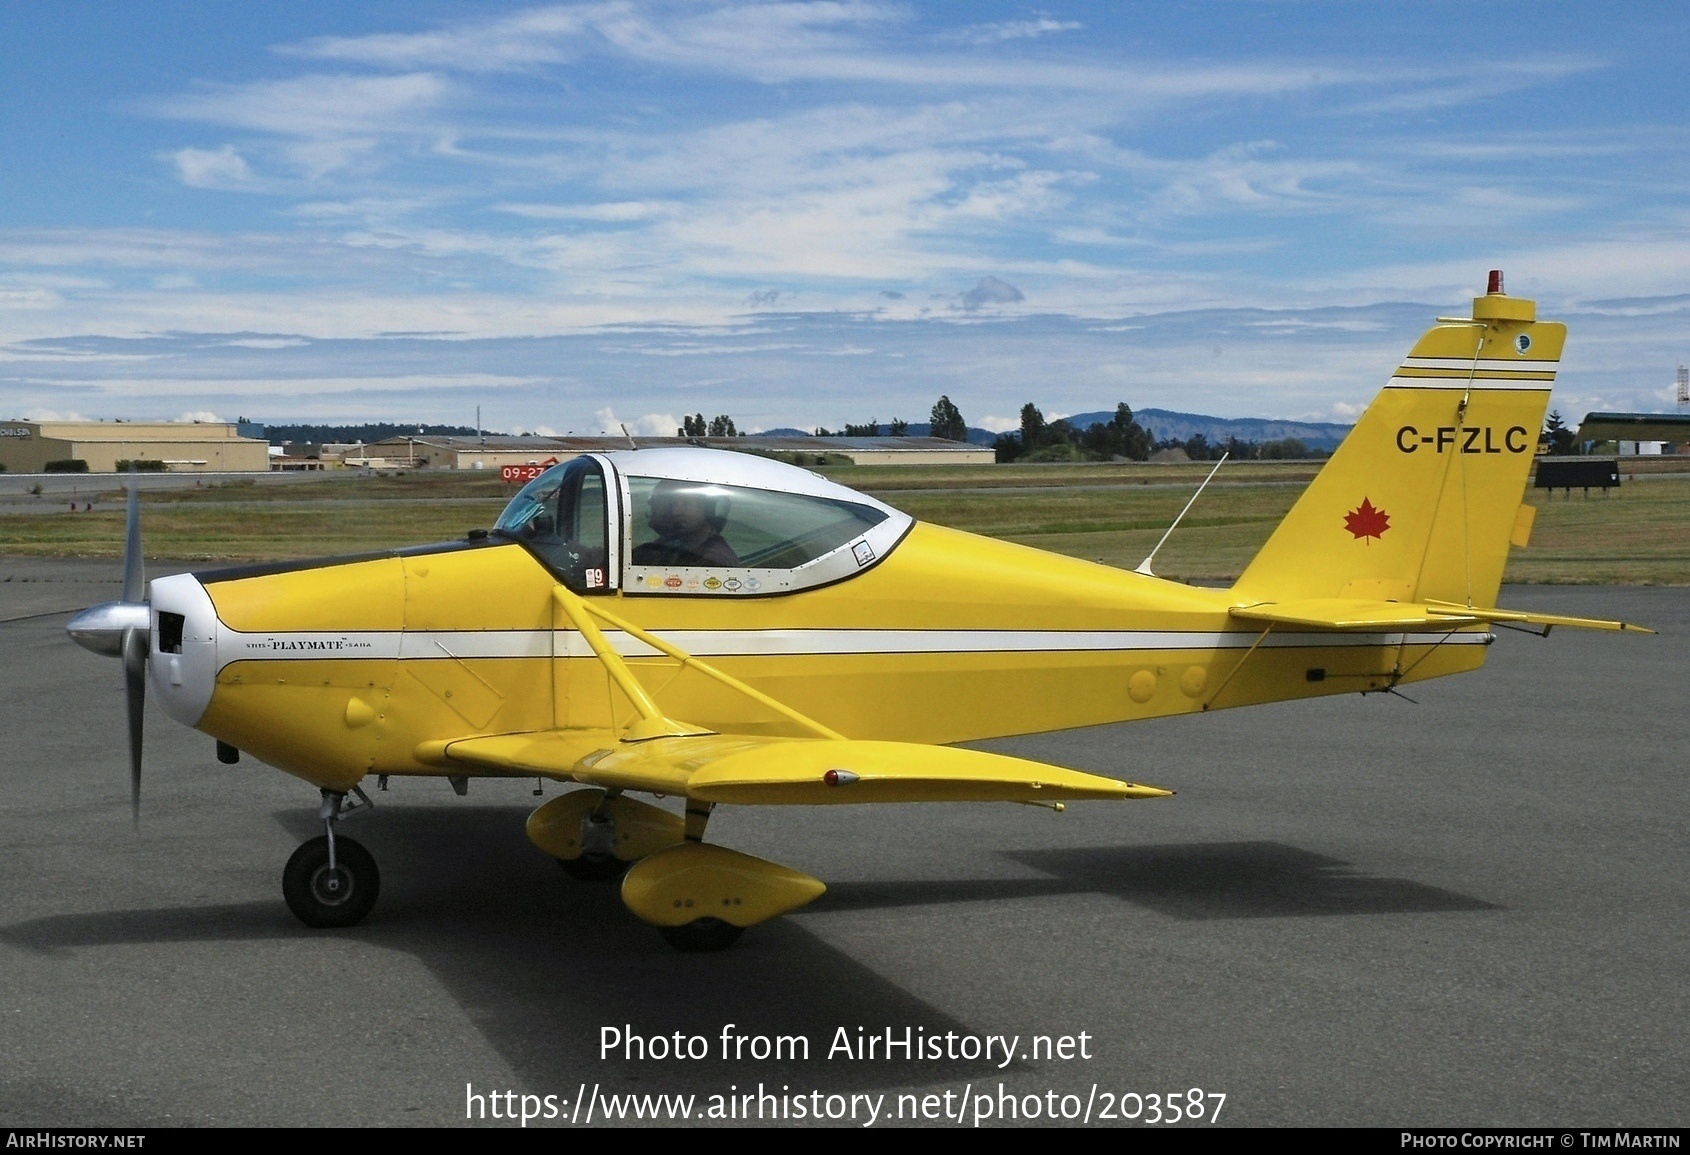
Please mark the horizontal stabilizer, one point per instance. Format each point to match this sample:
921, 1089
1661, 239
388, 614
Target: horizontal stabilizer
1376, 616
1532, 617
1352, 614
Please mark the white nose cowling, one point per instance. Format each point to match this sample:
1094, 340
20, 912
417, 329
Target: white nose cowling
183, 665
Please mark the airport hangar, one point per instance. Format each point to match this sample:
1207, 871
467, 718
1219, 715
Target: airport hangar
1635, 433
219, 447
495, 452
183, 446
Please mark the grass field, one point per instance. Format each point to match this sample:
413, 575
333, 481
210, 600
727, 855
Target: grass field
1108, 513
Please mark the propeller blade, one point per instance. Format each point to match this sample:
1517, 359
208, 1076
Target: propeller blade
134, 569
135, 644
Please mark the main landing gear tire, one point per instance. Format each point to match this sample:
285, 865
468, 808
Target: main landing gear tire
702, 934
321, 897
594, 867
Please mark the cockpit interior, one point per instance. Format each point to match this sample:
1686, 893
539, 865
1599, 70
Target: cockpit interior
699, 522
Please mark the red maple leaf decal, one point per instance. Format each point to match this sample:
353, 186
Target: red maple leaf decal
1365, 521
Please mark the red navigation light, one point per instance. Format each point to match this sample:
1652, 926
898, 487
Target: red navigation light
839, 777
1495, 285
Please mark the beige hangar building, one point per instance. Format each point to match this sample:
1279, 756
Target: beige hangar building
184, 447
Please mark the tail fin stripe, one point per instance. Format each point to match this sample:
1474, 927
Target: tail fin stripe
1463, 383
1470, 371
1466, 363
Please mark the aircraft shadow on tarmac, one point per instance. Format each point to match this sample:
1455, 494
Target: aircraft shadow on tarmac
540, 962
1186, 881
1240, 880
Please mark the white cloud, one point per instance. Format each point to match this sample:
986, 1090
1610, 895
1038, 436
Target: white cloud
1645, 263
328, 121
657, 425
605, 420
604, 170
265, 342
616, 212
315, 106
997, 424
520, 41
34, 297
1013, 30
223, 168
1464, 84
775, 43
836, 198
199, 415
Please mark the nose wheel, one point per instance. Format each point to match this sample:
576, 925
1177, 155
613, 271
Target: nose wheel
331, 881
325, 894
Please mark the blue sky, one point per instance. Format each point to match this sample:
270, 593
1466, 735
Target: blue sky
581, 214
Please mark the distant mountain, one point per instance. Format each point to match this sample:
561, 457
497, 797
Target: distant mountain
1166, 424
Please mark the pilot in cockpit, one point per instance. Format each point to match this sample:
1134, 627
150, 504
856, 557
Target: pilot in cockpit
688, 521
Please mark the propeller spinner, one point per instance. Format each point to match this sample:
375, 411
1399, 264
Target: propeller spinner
123, 629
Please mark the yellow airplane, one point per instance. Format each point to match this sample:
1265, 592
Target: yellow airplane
721, 628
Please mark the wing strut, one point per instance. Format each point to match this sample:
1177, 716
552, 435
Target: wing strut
709, 671
653, 723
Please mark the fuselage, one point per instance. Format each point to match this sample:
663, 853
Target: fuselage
339, 669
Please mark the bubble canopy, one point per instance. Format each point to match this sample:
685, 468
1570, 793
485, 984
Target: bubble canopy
700, 522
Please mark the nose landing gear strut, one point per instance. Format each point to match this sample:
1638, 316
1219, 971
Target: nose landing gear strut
332, 881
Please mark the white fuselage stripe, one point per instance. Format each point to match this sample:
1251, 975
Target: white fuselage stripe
234, 646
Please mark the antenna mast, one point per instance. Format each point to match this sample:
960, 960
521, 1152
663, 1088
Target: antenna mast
1144, 566
1683, 386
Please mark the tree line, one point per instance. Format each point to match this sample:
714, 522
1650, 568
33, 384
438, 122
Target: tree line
720, 425
944, 422
1122, 438
1557, 439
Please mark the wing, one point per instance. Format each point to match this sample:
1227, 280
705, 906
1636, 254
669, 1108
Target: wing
1375, 616
760, 770
663, 756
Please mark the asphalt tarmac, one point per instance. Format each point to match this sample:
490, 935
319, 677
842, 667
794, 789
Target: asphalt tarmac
1470, 911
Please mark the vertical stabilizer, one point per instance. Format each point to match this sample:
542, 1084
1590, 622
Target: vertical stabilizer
1420, 499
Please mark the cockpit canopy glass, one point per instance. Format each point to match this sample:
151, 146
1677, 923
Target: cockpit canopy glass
562, 517
693, 523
